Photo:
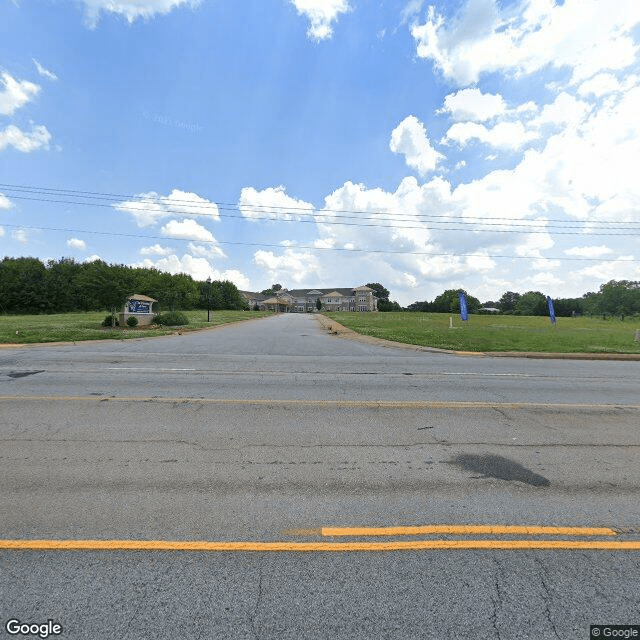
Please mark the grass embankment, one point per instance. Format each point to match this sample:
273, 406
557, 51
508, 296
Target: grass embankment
497, 333
72, 327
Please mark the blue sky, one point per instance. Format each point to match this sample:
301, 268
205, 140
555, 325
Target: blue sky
478, 144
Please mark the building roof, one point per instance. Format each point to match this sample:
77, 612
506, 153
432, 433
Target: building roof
276, 301
343, 291
304, 293
253, 296
137, 296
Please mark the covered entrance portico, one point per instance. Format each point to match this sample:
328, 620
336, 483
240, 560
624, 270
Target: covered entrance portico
278, 304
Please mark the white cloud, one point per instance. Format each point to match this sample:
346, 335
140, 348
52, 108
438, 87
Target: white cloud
472, 104
618, 269
411, 10
272, 203
324, 243
45, 73
76, 243
291, 266
321, 15
5, 203
565, 110
156, 250
599, 85
93, 258
15, 93
589, 252
206, 251
38, 138
149, 208
585, 36
410, 139
198, 268
409, 280
504, 135
187, 229
131, 10
21, 235
233, 275
2, 232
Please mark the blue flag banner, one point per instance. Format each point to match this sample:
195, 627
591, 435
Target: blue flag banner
464, 312
552, 313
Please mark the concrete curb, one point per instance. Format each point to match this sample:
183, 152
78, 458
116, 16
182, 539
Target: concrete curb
343, 332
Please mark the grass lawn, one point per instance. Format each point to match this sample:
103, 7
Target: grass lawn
71, 327
497, 333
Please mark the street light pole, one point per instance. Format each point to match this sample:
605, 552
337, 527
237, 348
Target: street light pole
209, 299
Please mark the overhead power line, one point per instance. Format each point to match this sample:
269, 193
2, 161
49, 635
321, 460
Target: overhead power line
176, 206
307, 247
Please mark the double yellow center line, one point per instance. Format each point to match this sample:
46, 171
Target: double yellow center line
392, 545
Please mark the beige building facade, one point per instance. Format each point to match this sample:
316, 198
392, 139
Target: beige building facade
357, 299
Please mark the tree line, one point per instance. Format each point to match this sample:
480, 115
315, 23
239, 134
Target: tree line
29, 286
620, 298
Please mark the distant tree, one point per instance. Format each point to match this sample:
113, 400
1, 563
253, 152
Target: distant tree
532, 303
567, 307
23, 286
272, 291
508, 301
379, 291
419, 306
231, 297
449, 302
619, 298
590, 302
63, 294
386, 305
318, 304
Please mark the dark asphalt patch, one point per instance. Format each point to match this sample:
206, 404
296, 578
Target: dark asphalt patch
498, 467
23, 374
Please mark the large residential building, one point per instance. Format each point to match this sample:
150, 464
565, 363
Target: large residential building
306, 300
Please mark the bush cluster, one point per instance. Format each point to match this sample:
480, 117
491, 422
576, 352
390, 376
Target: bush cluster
110, 321
171, 319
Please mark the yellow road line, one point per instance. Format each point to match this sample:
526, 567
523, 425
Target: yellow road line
467, 530
398, 545
376, 404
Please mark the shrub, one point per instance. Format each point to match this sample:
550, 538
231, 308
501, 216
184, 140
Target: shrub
109, 321
132, 321
171, 319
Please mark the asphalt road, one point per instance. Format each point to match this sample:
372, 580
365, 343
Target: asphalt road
275, 431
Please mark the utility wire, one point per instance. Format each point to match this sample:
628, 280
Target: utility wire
324, 216
320, 218
314, 248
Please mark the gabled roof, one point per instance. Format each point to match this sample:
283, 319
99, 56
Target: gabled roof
278, 300
317, 293
253, 296
137, 296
